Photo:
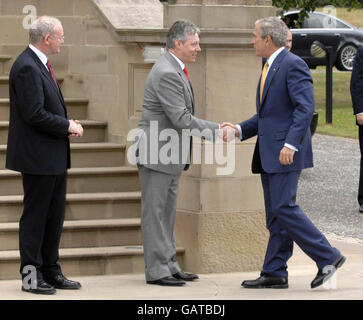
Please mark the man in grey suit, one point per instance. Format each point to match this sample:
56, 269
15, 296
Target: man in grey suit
164, 149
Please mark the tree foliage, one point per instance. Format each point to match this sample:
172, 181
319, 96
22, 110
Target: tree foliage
310, 5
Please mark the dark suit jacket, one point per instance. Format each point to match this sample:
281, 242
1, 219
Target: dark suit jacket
283, 116
356, 82
38, 130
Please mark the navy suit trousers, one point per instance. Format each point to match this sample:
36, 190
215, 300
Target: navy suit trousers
287, 224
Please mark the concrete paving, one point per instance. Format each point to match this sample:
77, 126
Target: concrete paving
328, 192
347, 285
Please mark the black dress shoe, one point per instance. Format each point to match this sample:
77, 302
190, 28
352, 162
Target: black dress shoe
41, 288
167, 281
361, 208
266, 282
61, 282
185, 276
324, 275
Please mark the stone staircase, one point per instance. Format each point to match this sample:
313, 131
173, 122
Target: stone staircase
102, 233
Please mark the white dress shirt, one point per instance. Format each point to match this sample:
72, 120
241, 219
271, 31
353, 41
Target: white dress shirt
181, 63
43, 58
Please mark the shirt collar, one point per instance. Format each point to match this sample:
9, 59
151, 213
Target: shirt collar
274, 56
43, 58
181, 63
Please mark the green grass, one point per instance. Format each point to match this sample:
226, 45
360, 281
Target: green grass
343, 119
343, 123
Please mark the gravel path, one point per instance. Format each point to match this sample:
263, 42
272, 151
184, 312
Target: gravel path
328, 192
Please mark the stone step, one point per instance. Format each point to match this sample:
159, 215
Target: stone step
83, 233
99, 154
81, 180
82, 206
76, 108
93, 131
4, 85
85, 155
87, 261
3, 58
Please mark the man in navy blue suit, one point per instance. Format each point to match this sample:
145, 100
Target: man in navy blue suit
356, 91
285, 106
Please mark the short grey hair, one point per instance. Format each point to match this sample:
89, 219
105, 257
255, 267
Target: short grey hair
41, 27
275, 28
180, 30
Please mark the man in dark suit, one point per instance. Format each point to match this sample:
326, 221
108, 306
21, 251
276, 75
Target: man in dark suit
356, 91
285, 105
38, 147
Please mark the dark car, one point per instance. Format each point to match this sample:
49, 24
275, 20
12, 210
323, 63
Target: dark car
330, 31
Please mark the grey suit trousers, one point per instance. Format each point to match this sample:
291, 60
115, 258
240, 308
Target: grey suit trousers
158, 210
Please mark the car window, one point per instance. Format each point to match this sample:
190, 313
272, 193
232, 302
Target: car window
291, 20
322, 21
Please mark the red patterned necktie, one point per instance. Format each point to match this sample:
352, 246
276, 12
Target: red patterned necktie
186, 73
50, 68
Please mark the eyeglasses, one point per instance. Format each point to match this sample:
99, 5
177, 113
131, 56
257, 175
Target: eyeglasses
58, 37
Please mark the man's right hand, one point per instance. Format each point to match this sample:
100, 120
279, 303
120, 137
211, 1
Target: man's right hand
360, 118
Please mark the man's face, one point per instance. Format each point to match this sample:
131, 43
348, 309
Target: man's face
288, 44
55, 40
187, 51
258, 43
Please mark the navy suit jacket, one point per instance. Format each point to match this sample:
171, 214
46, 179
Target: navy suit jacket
356, 82
38, 130
283, 116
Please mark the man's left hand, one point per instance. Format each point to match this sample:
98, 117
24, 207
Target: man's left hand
286, 156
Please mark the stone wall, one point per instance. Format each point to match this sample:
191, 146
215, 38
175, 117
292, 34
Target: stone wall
92, 62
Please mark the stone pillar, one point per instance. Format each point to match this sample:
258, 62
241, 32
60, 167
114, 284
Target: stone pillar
220, 218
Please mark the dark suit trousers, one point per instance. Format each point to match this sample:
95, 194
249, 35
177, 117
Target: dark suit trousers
41, 223
287, 223
360, 189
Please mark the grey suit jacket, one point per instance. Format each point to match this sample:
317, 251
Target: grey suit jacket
167, 121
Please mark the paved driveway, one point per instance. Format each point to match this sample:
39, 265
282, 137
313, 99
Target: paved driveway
328, 192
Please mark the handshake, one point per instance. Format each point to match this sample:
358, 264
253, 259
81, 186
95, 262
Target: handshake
228, 131
75, 129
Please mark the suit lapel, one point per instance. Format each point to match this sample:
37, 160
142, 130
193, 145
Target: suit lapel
271, 73
181, 74
46, 73
193, 105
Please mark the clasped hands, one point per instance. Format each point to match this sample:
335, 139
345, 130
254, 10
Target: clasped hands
75, 129
228, 131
